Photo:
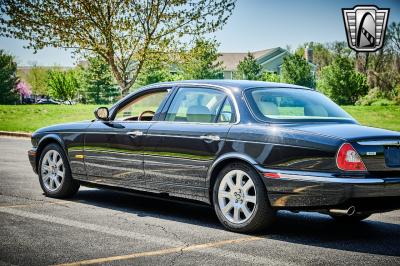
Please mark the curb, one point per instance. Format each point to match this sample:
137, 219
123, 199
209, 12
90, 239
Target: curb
15, 134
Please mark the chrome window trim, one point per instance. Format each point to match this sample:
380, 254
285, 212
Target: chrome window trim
270, 120
180, 85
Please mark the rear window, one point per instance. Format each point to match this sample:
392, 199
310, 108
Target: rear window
291, 103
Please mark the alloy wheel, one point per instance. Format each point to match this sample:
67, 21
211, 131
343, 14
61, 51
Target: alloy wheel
52, 170
237, 196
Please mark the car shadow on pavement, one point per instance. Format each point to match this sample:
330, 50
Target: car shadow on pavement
370, 236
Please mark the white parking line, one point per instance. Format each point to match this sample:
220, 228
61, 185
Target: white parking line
210, 248
92, 227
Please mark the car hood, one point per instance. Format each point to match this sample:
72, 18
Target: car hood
349, 132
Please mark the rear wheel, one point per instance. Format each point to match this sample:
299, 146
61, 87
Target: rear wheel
55, 174
240, 199
351, 219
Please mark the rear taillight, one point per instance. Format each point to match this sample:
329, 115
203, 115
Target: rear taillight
347, 159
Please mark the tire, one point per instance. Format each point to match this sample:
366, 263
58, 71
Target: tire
245, 208
351, 219
55, 173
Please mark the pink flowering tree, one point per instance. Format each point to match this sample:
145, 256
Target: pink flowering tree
23, 89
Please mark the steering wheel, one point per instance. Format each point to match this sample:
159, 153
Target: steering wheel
145, 112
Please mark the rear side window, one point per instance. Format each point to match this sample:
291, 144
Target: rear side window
201, 105
291, 104
226, 115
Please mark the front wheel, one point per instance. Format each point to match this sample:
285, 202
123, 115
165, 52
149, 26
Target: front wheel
55, 174
240, 199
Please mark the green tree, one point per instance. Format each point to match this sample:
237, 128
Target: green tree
157, 70
100, 86
123, 33
341, 82
270, 76
37, 79
63, 85
340, 49
201, 62
248, 68
393, 36
296, 70
8, 79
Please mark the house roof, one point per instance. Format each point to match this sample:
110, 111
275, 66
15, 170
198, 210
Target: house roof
230, 61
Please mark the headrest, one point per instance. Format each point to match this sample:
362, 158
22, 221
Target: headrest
315, 110
268, 108
198, 113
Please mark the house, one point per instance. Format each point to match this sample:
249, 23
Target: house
270, 60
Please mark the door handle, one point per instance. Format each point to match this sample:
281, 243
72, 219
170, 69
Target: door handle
210, 138
135, 133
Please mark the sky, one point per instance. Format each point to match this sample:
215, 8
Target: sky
254, 25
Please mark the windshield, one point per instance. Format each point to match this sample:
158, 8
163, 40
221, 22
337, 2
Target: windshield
292, 103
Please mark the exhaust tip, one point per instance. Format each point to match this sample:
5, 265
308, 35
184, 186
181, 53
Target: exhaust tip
349, 211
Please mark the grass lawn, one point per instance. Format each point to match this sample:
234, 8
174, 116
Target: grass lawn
376, 116
28, 118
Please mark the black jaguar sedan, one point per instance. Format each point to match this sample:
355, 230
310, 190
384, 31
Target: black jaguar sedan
247, 148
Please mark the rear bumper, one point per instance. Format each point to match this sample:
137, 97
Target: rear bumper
303, 190
32, 159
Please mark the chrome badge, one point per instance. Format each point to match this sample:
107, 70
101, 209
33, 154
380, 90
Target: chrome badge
365, 27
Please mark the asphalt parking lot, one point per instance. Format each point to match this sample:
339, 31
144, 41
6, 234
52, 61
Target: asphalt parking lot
113, 228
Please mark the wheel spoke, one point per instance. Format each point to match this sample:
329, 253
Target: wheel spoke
239, 179
60, 173
245, 211
230, 183
224, 194
46, 178
247, 185
56, 182
236, 214
227, 208
59, 162
46, 168
251, 199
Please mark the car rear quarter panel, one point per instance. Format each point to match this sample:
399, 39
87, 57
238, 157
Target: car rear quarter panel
277, 147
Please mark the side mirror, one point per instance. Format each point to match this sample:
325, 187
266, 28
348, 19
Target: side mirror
102, 113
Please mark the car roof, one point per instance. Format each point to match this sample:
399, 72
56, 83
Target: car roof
228, 83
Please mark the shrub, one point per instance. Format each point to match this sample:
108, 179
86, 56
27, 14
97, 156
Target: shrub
376, 97
341, 82
248, 68
296, 70
271, 77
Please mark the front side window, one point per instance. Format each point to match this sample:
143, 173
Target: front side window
141, 108
291, 103
197, 105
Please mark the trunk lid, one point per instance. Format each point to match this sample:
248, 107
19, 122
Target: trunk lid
378, 148
348, 132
